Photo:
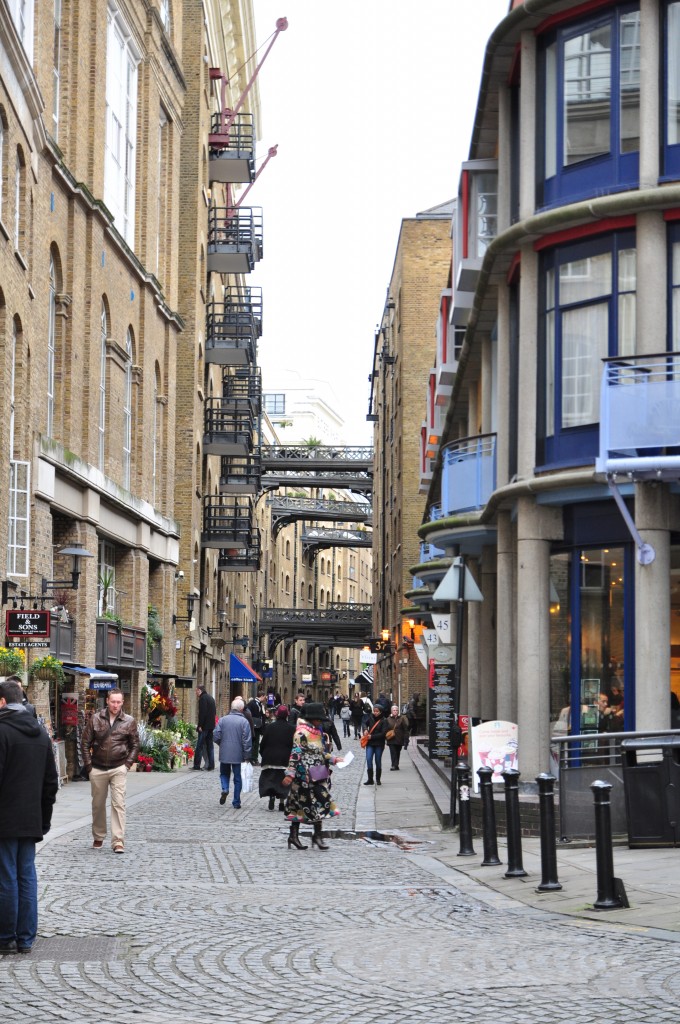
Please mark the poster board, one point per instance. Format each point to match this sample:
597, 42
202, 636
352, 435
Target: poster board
493, 745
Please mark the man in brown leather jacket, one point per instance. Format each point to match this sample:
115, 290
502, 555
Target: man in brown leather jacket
110, 745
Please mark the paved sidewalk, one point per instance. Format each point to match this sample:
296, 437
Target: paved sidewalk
651, 877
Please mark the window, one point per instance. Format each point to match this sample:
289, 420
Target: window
165, 14
589, 315
162, 189
56, 68
127, 412
19, 190
121, 129
672, 92
51, 346
591, 90
275, 404
18, 519
154, 428
106, 570
2, 160
22, 16
102, 389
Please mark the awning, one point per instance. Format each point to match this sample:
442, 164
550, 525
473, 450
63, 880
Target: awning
93, 673
241, 672
365, 678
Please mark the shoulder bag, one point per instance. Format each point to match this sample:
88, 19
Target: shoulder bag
367, 735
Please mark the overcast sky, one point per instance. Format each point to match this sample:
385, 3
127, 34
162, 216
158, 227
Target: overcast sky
371, 103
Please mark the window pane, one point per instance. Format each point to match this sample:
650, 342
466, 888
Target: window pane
550, 111
585, 279
630, 82
626, 345
673, 72
550, 374
587, 95
585, 334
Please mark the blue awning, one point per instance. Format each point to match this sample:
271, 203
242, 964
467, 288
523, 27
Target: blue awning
241, 672
93, 673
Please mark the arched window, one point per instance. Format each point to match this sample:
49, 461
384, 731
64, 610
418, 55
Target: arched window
102, 387
287, 584
127, 412
51, 346
154, 428
19, 189
12, 389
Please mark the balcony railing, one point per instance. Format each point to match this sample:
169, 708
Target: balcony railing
241, 476
429, 552
62, 635
228, 427
234, 239
231, 336
468, 473
640, 416
227, 523
243, 385
232, 151
246, 560
245, 299
120, 646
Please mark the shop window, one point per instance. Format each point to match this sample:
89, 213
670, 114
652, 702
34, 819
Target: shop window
591, 96
588, 316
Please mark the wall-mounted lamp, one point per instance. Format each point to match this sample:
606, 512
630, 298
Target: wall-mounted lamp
76, 551
191, 598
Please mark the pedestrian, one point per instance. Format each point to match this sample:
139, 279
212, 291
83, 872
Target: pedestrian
308, 775
207, 711
397, 735
257, 708
110, 745
233, 736
346, 718
275, 748
297, 707
357, 712
330, 731
385, 703
28, 788
367, 717
375, 745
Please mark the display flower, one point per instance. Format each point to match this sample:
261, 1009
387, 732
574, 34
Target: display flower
11, 661
48, 667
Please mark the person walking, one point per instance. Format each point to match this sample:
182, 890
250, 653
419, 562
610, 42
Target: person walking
275, 748
346, 718
397, 735
256, 707
375, 745
307, 775
296, 709
207, 711
28, 788
110, 745
234, 738
357, 713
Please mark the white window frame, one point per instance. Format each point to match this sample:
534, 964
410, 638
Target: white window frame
127, 413
122, 60
22, 15
107, 563
51, 347
101, 428
19, 518
154, 453
18, 173
56, 68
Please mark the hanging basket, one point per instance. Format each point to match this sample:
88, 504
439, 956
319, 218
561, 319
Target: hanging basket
47, 674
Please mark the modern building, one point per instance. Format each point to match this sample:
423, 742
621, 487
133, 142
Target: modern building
400, 373
557, 470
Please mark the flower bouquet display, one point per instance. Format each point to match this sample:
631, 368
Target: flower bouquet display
48, 668
145, 761
11, 661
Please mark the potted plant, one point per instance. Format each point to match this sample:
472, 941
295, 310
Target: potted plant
11, 661
48, 667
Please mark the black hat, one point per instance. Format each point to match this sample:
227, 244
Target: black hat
313, 711
378, 707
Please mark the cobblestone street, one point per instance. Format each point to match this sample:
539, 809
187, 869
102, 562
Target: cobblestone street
209, 916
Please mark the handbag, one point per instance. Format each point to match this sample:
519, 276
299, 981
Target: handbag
367, 735
318, 772
389, 735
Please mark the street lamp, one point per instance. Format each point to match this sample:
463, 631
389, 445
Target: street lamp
77, 551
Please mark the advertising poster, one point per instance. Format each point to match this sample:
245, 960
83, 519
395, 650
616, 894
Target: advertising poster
441, 694
494, 745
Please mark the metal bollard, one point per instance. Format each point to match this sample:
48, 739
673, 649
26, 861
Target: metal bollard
546, 807
488, 818
463, 779
515, 866
607, 898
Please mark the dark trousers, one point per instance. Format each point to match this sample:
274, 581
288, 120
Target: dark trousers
395, 753
206, 748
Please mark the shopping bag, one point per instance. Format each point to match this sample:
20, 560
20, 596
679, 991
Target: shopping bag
246, 777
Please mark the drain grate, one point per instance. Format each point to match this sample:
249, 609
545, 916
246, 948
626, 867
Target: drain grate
71, 949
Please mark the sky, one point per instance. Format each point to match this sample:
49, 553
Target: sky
371, 104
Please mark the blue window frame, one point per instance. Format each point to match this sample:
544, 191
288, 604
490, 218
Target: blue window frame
591, 106
672, 93
588, 315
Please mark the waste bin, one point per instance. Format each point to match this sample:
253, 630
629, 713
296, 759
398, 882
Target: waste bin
651, 783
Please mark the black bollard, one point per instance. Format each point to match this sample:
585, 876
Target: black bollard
546, 807
606, 887
488, 818
515, 866
464, 780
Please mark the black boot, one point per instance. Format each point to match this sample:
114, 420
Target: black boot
294, 836
271, 803
369, 781
378, 773
317, 839
282, 805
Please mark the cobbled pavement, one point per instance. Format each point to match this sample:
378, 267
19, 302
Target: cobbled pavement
209, 916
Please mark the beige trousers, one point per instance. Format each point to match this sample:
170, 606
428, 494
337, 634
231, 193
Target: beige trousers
100, 782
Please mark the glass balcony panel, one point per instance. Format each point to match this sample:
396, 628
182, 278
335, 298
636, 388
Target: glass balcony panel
468, 473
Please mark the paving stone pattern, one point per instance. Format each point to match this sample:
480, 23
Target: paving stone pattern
209, 916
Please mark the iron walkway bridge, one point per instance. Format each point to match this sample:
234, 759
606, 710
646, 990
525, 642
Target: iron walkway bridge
286, 509
303, 465
315, 537
339, 625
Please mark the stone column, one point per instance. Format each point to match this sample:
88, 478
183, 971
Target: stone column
528, 363
487, 633
537, 526
652, 610
527, 118
503, 389
473, 704
650, 51
506, 662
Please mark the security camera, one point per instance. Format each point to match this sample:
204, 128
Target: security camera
179, 575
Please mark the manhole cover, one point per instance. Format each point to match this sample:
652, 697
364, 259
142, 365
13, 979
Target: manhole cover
67, 948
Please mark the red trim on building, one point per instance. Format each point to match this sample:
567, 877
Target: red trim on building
599, 227
465, 197
512, 276
433, 389
572, 14
445, 326
671, 214
423, 448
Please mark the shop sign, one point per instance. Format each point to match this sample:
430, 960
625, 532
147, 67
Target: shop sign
441, 695
27, 627
68, 711
102, 684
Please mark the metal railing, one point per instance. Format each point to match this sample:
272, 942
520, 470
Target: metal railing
239, 137
468, 473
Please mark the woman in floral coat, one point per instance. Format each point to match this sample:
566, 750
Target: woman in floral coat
309, 798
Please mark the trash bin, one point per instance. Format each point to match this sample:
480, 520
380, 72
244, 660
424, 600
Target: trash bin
651, 783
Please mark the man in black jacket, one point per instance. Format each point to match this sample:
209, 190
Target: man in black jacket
207, 713
28, 788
